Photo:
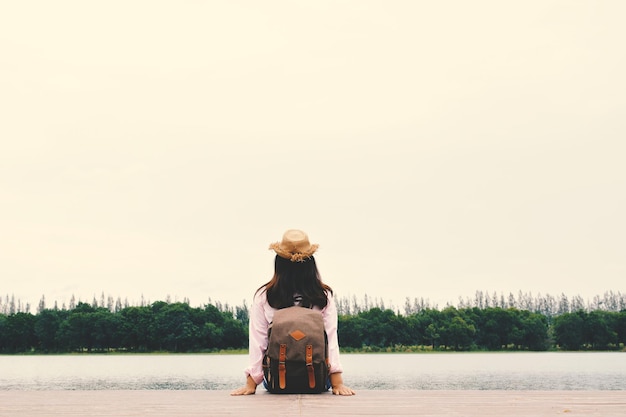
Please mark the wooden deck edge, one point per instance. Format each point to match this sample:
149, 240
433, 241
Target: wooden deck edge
366, 403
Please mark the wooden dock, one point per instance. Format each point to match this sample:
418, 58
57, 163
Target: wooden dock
365, 403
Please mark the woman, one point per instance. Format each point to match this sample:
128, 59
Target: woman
296, 281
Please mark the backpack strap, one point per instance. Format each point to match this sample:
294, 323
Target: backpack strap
309, 366
282, 357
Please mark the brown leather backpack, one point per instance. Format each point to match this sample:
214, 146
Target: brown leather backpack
296, 360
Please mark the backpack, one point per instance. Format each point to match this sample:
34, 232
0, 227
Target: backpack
296, 360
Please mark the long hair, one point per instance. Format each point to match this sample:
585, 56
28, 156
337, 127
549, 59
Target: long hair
291, 278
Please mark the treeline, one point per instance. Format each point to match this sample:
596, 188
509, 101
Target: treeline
104, 325
473, 328
11, 305
161, 326
547, 305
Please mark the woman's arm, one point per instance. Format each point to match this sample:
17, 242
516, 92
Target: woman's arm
257, 345
330, 323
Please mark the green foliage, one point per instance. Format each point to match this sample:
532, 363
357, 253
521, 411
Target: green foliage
491, 328
18, 333
172, 327
178, 327
596, 330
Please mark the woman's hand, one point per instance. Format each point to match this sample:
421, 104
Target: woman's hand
336, 381
343, 390
248, 389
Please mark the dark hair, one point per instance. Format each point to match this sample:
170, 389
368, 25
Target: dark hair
290, 278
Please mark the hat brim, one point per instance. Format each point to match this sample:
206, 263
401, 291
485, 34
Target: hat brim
300, 256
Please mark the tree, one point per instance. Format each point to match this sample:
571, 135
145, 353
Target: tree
173, 327
77, 331
19, 331
429, 326
4, 336
534, 331
243, 314
413, 333
136, 323
379, 331
620, 327
235, 335
47, 325
431, 333
498, 328
456, 332
569, 330
42, 304
600, 331
105, 333
350, 331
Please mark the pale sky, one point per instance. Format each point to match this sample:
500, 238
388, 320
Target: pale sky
431, 148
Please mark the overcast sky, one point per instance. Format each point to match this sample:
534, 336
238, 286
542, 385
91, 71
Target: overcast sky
432, 149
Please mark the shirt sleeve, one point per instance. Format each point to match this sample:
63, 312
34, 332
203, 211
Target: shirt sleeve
257, 343
330, 323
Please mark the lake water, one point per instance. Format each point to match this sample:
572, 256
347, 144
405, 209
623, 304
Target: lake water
435, 371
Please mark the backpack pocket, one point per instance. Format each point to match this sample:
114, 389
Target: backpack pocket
298, 378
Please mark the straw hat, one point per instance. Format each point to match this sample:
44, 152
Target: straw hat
295, 246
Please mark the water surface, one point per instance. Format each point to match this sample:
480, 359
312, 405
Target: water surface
429, 371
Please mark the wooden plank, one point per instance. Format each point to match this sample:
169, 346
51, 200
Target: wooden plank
365, 403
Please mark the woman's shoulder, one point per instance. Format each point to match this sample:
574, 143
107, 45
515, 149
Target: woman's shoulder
330, 296
260, 297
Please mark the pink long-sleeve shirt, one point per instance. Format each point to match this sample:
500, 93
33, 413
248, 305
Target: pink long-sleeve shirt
262, 314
